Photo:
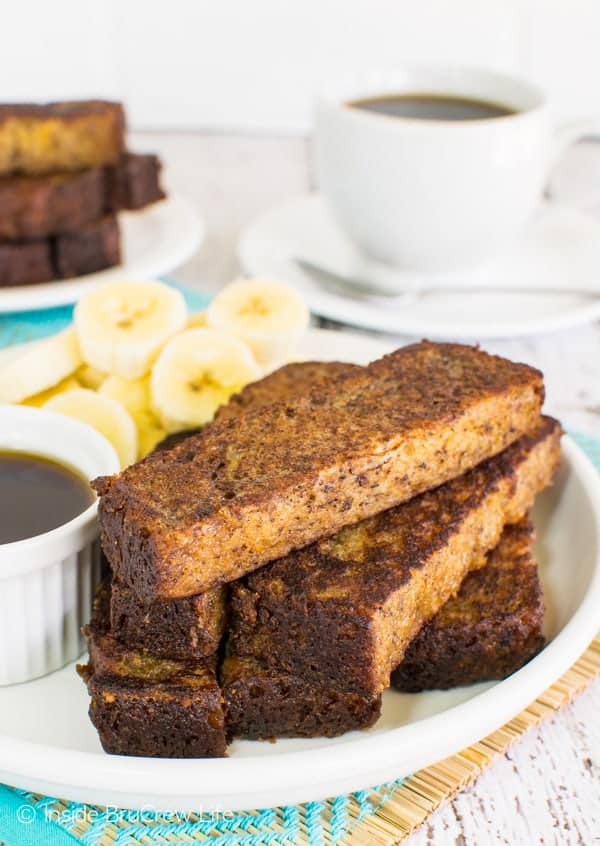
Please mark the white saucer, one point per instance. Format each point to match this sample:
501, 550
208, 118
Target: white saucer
154, 241
48, 745
561, 247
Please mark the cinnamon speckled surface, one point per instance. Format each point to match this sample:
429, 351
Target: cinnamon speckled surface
289, 473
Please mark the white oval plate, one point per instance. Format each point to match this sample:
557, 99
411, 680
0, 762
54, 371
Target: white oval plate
154, 241
47, 743
561, 247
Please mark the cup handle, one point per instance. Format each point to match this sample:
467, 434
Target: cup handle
568, 133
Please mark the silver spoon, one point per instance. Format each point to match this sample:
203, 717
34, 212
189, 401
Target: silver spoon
362, 289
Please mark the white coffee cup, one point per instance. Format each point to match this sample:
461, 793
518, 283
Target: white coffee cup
435, 195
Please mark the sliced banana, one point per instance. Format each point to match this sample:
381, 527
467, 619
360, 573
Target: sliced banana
121, 326
134, 395
38, 400
196, 372
90, 377
32, 368
104, 414
269, 316
150, 432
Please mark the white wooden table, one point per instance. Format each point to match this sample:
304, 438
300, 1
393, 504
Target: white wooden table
547, 789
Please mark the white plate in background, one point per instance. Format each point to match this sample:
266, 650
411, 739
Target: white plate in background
154, 241
47, 743
561, 247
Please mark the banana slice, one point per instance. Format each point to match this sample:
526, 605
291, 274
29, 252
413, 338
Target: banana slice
90, 377
122, 326
150, 432
134, 395
38, 400
35, 367
195, 373
104, 414
269, 316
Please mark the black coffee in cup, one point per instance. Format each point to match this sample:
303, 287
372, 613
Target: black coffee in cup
431, 107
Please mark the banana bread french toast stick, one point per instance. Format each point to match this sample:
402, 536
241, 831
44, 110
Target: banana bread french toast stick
145, 705
172, 628
263, 702
25, 263
93, 247
344, 610
133, 183
39, 206
241, 494
488, 630
52, 137
291, 381
193, 627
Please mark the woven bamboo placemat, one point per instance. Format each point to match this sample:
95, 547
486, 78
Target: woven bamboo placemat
420, 794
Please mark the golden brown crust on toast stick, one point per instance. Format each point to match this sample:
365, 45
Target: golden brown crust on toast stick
248, 490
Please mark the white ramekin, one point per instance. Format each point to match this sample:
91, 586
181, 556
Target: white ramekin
47, 582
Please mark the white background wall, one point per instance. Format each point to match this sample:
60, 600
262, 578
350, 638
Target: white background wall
254, 64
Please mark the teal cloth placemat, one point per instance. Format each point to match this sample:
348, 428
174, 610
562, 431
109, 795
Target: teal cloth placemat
27, 819
30, 820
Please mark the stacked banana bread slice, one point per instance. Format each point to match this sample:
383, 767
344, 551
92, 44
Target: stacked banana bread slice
274, 573
490, 628
64, 174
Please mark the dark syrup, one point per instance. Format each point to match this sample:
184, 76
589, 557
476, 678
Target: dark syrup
38, 494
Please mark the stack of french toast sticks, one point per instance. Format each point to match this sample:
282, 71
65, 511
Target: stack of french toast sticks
64, 174
334, 531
